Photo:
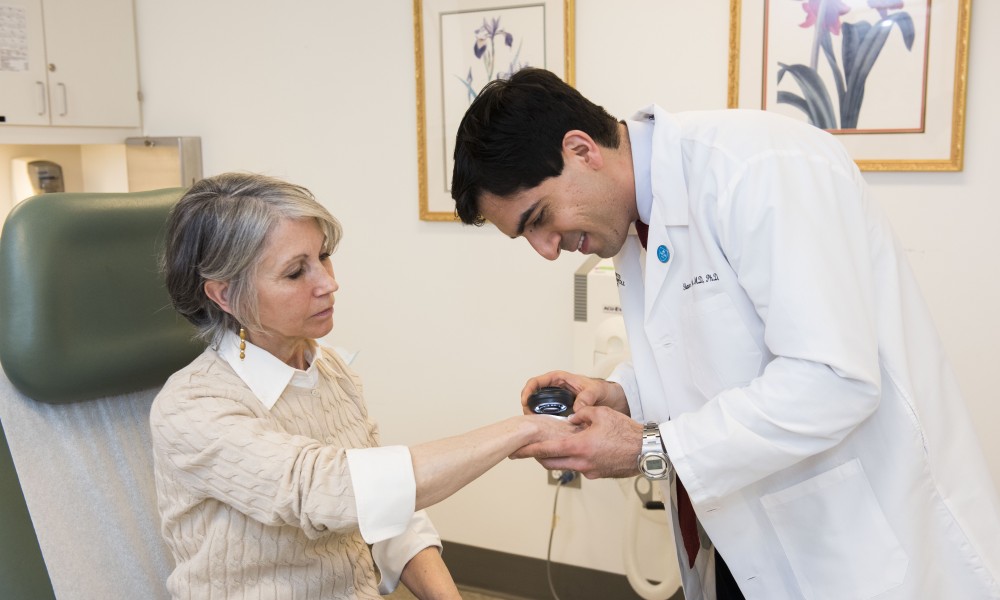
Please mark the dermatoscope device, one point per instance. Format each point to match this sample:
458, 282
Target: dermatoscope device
551, 401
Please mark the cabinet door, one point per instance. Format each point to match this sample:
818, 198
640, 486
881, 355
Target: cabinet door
93, 78
23, 89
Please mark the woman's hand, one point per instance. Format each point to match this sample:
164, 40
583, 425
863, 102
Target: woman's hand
606, 444
589, 391
550, 428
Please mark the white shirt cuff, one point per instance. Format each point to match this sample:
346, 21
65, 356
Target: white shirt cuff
624, 375
384, 489
393, 554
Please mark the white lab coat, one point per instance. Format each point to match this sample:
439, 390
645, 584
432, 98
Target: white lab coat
803, 394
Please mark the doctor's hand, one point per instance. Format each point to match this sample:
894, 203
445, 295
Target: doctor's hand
589, 391
607, 446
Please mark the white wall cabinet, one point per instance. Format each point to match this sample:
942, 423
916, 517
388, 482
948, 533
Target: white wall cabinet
68, 63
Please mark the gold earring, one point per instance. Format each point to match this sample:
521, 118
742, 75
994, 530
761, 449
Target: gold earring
243, 343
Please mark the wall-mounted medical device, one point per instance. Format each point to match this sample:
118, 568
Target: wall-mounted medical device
599, 341
599, 344
33, 176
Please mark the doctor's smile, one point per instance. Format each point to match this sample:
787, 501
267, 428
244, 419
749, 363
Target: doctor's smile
576, 244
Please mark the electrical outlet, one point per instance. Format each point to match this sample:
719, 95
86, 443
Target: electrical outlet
553, 478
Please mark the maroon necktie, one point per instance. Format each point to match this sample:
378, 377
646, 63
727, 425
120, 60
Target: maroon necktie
685, 511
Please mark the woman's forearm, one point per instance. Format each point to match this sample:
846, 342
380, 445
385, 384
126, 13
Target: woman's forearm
443, 467
428, 578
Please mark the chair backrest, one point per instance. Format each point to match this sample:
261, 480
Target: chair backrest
87, 337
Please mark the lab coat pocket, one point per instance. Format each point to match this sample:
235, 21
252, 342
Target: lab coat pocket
720, 350
855, 555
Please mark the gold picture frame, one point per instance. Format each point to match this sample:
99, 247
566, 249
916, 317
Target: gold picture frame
459, 45
919, 122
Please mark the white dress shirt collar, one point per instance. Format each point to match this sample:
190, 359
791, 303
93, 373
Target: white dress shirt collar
266, 375
640, 134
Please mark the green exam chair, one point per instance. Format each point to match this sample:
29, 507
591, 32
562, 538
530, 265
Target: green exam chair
87, 337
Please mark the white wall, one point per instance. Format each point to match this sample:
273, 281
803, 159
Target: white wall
451, 320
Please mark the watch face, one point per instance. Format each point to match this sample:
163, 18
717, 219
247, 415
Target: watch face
654, 466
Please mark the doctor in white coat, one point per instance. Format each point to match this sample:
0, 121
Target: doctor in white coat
783, 363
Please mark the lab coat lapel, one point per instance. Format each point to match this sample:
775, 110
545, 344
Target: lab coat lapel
656, 270
628, 267
670, 205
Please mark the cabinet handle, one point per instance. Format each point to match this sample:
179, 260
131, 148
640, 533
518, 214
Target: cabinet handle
65, 104
41, 97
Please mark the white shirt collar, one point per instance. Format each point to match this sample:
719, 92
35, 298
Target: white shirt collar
640, 135
266, 375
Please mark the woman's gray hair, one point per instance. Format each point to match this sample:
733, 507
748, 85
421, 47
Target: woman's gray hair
217, 232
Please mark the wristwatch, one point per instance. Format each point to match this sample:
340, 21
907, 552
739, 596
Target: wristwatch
653, 461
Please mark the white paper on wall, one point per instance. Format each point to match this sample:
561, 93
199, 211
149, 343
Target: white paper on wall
13, 38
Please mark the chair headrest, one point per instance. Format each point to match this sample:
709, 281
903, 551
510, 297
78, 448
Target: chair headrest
83, 308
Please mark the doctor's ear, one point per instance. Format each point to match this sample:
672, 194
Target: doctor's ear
578, 144
218, 292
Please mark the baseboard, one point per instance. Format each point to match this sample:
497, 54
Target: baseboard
524, 578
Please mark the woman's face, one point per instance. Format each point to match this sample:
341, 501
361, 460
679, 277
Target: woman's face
295, 287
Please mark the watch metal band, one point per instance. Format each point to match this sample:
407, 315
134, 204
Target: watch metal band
653, 462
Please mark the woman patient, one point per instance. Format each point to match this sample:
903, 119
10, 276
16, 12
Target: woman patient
270, 479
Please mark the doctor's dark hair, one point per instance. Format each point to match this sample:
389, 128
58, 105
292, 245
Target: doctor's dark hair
217, 231
510, 138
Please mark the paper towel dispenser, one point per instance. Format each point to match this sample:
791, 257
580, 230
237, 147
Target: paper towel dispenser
33, 176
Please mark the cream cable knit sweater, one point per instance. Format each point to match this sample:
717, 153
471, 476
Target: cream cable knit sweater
258, 503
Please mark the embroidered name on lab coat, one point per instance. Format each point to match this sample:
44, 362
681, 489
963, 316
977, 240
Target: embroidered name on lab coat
619, 279
699, 279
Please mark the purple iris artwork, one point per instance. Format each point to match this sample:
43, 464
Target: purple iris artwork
861, 43
491, 45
